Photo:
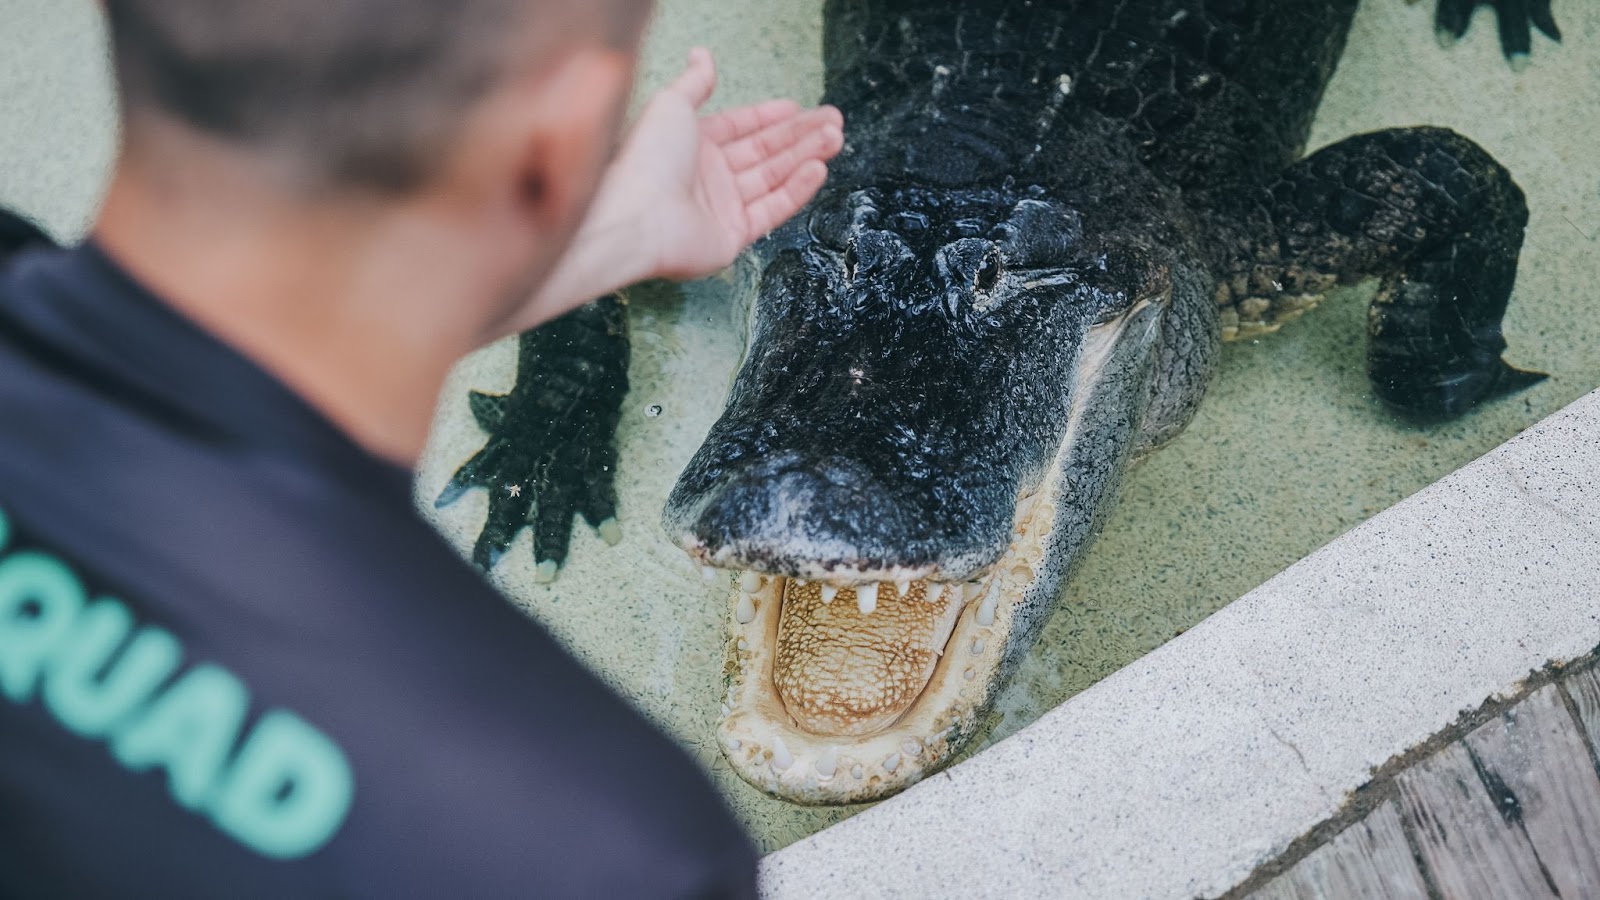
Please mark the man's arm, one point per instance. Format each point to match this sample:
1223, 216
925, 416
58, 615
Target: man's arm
688, 193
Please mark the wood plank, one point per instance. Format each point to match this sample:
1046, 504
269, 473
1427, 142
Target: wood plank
1470, 850
1370, 860
1584, 688
1535, 759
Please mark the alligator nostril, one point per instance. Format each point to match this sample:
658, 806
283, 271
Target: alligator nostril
871, 250
988, 271
969, 264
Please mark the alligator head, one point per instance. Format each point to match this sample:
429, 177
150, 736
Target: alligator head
939, 392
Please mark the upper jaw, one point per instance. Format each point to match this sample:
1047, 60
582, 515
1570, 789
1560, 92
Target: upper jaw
806, 521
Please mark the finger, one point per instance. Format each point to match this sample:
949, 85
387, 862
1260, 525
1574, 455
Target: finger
772, 210
599, 503
1450, 22
699, 78
1544, 21
778, 137
736, 123
820, 145
471, 474
552, 533
508, 512
1515, 39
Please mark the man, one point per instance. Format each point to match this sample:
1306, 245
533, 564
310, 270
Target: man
233, 660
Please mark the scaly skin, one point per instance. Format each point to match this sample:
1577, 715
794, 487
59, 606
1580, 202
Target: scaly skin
552, 440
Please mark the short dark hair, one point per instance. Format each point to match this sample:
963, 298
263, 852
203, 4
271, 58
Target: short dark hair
361, 92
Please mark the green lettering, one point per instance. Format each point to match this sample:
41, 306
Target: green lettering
5, 530
91, 703
39, 602
189, 729
289, 789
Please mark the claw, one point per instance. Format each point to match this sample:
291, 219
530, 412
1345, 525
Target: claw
610, 532
485, 555
451, 493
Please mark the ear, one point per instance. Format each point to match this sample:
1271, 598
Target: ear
572, 125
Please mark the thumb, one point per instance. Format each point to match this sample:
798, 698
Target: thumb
699, 78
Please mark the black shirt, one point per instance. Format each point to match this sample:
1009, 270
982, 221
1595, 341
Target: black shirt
234, 661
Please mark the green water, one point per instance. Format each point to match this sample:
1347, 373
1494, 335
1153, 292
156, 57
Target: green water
1289, 449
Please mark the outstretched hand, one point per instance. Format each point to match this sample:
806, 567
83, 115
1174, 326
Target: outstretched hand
713, 185
687, 192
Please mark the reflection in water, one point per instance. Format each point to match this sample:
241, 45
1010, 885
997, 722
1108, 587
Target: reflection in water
1289, 449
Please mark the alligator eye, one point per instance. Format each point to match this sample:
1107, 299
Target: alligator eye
850, 260
988, 272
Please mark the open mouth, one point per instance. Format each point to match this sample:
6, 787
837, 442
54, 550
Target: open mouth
844, 694
850, 686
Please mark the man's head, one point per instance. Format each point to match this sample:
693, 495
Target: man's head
348, 93
357, 192
464, 135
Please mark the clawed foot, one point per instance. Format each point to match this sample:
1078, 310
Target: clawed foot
551, 451
1517, 19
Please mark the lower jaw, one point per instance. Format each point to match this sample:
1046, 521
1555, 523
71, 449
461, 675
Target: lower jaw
768, 749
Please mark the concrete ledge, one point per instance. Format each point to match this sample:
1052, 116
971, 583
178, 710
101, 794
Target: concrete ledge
1181, 773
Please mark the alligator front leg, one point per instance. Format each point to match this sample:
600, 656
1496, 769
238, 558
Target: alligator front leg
1432, 215
552, 440
1515, 16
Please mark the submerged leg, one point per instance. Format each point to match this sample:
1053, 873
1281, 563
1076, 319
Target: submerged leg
1432, 215
1515, 17
552, 440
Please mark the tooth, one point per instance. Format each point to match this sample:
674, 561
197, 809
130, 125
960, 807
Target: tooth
708, 574
867, 597
973, 590
735, 744
828, 593
781, 757
891, 762
902, 586
745, 612
857, 772
726, 710
977, 646
935, 592
912, 746
986, 611
828, 762
745, 645
749, 582
969, 674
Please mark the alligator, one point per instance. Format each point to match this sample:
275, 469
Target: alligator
1047, 217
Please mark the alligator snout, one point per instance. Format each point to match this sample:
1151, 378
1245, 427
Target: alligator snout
818, 513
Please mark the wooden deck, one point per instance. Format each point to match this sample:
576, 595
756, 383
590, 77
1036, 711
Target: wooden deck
1508, 809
